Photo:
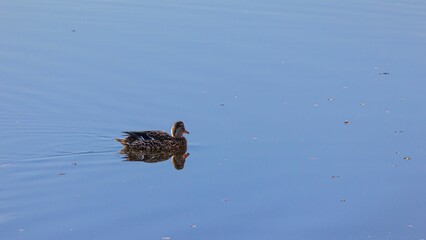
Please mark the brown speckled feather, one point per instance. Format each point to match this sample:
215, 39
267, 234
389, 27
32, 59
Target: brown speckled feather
152, 141
147, 135
156, 140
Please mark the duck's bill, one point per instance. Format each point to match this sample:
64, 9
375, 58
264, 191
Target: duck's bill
186, 132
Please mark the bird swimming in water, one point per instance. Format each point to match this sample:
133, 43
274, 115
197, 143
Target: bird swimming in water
156, 140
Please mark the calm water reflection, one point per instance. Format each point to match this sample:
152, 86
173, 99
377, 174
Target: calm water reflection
178, 157
305, 117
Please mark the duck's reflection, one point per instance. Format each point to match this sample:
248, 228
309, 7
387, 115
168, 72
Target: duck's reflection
178, 157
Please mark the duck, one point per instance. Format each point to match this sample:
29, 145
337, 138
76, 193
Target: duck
155, 140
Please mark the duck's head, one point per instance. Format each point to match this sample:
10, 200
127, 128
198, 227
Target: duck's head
178, 129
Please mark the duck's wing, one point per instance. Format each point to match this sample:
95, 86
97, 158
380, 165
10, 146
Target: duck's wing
148, 135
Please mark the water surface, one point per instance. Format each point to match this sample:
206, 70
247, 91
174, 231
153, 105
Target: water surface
300, 113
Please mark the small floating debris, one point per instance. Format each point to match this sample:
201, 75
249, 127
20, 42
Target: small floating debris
225, 200
381, 73
407, 158
334, 176
74, 163
254, 138
222, 104
342, 200
399, 131
193, 226
395, 165
61, 174
166, 238
362, 104
73, 30
347, 122
316, 105
398, 152
410, 226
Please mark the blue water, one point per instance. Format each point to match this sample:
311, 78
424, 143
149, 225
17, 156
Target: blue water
300, 113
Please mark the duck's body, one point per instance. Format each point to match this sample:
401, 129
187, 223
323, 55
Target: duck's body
156, 140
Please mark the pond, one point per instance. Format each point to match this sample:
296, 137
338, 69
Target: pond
306, 119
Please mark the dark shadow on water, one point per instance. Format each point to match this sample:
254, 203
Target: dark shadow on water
178, 157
